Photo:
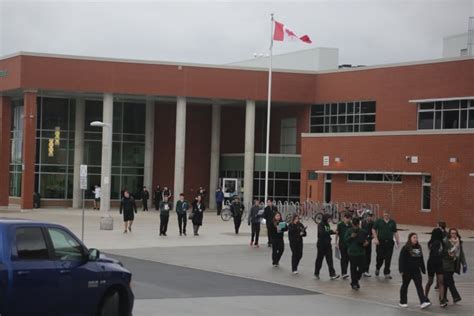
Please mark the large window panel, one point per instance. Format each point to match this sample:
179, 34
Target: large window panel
452, 114
426, 120
53, 186
450, 119
135, 114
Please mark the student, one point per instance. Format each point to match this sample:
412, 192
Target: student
268, 214
342, 228
158, 197
165, 207
237, 209
411, 265
254, 221
325, 248
145, 198
181, 208
277, 230
385, 229
453, 259
128, 207
367, 225
435, 264
96, 197
296, 232
219, 200
356, 241
198, 214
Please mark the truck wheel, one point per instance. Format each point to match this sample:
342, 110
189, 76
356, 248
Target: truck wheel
110, 305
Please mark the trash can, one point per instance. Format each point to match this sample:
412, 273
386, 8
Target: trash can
36, 200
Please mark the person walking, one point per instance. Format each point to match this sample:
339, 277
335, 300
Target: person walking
342, 228
277, 231
158, 197
145, 198
182, 207
268, 214
198, 214
367, 226
384, 231
219, 200
411, 265
435, 265
96, 197
356, 241
453, 259
254, 220
324, 248
129, 209
165, 207
296, 232
237, 210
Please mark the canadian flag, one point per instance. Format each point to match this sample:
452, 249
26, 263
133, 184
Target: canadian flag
281, 33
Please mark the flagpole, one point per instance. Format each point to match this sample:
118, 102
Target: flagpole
268, 109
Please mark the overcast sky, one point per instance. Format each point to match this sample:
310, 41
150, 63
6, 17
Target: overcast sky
366, 32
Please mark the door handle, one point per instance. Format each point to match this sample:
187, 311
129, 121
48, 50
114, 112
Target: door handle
64, 271
23, 272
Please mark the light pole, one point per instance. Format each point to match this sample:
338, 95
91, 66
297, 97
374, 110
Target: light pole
106, 221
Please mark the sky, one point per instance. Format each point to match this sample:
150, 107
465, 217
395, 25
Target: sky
367, 32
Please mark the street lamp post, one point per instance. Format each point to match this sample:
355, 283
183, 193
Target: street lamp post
106, 221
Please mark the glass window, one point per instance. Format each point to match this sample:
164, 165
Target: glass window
65, 247
367, 107
53, 186
471, 118
92, 153
356, 177
93, 113
450, 119
54, 113
426, 120
281, 188
317, 109
133, 154
443, 115
374, 177
30, 244
135, 114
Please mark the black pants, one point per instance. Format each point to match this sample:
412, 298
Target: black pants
278, 246
164, 223
296, 254
182, 221
344, 259
406, 278
357, 268
449, 284
157, 205
269, 227
219, 207
368, 256
145, 204
237, 222
255, 233
196, 229
384, 255
324, 251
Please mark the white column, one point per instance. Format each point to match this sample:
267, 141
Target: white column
149, 144
180, 146
215, 153
78, 152
249, 151
105, 181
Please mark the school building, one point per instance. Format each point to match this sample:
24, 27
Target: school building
401, 135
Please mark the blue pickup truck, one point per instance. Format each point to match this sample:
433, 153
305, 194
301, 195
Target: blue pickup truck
46, 270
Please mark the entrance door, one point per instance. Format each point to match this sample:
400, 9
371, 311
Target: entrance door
327, 187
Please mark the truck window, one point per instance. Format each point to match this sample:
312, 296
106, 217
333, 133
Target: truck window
30, 244
65, 246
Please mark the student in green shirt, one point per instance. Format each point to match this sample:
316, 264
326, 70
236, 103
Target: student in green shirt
356, 241
342, 228
383, 232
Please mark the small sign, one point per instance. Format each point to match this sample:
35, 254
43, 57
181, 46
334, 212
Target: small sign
325, 160
83, 177
414, 159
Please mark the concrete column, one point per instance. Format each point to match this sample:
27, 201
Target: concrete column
5, 148
215, 153
78, 152
149, 144
180, 146
249, 152
29, 150
107, 119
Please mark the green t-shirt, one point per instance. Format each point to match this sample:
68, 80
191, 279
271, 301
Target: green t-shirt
341, 231
385, 230
355, 245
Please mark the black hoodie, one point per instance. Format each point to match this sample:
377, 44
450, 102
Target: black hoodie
411, 260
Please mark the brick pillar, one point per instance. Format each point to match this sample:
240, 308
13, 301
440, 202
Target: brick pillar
5, 127
29, 150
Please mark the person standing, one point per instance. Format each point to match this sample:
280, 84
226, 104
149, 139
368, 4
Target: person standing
453, 259
385, 229
269, 214
165, 207
435, 265
325, 248
181, 211
356, 241
342, 228
367, 226
158, 196
96, 197
296, 232
411, 265
219, 200
166, 192
254, 221
198, 214
145, 198
237, 209
128, 208
277, 231
202, 192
